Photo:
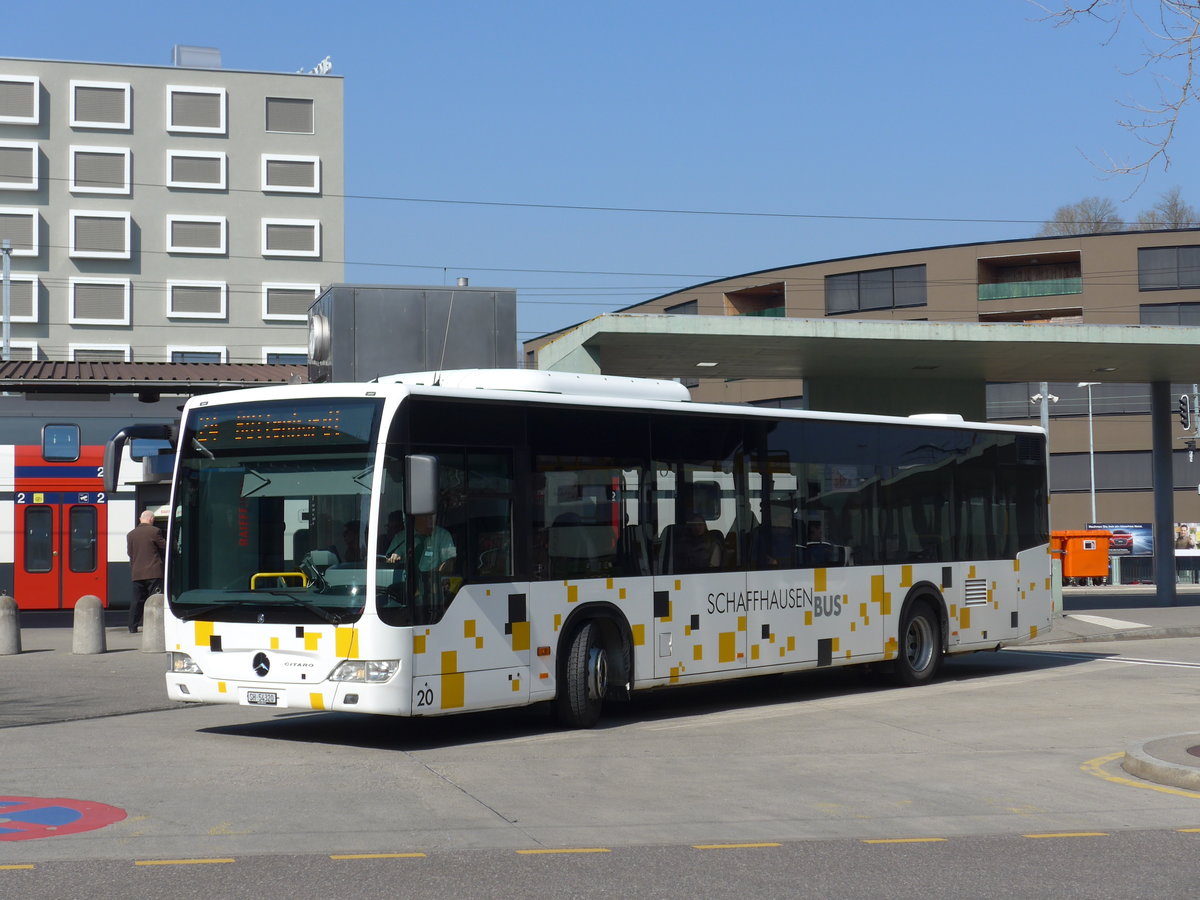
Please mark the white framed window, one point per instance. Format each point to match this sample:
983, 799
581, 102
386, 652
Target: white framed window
291, 174
98, 352
99, 301
203, 170
23, 297
285, 356
177, 354
21, 226
195, 110
196, 234
19, 165
291, 237
99, 234
291, 115
20, 99
287, 302
24, 351
101, 104
99, 170
197, 299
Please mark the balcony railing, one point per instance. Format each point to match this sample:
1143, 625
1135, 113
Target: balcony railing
775, 312
1014, 289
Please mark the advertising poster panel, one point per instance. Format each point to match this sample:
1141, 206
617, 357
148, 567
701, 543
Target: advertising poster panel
1136, 539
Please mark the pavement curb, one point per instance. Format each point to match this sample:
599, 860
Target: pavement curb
1164, 761
1180, 631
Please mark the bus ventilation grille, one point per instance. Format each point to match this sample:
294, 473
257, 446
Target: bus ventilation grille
976, 591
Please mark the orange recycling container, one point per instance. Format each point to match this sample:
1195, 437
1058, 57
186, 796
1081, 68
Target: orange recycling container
1084, 553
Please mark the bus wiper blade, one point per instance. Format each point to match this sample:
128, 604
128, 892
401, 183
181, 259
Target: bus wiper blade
205, 610
320, 612
331, 618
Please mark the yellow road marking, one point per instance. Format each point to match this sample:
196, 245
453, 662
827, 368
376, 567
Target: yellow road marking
1067, 834
1093, 767
930, 840
377, 856
180, 862
731, 846
16, 866
1188, 830
565, 850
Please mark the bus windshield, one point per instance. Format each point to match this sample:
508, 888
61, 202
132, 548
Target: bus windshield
270, 511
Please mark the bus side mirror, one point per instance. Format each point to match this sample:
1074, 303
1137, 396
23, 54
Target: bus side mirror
420, 484
116, 443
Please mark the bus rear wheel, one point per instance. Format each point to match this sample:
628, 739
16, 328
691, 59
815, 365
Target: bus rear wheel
920, 654
584, 678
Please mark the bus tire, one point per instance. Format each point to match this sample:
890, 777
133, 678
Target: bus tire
920, 651
583, 683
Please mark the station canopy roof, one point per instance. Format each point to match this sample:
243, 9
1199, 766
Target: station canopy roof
666, 346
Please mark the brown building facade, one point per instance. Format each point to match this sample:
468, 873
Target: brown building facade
1144, 278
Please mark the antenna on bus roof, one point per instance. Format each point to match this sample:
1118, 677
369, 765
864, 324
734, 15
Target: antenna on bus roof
437, 378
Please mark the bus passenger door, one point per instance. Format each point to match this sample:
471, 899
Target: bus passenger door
61, 542
700, 603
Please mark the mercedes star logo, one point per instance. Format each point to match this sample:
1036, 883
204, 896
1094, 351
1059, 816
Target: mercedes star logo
261, 665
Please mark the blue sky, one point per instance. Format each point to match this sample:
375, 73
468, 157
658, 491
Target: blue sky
856, 125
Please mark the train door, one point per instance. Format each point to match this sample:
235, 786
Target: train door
61, 546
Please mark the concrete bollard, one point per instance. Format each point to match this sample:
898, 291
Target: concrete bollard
10, 626
153, 637
88, 635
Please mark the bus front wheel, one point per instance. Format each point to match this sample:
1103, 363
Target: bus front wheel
584, 678
920, 652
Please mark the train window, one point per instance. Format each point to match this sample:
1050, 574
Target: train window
81, 554
60, 443
39, 539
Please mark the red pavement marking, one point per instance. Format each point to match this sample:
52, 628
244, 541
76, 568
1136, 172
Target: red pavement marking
29, 818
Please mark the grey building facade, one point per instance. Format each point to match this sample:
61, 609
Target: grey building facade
167, 213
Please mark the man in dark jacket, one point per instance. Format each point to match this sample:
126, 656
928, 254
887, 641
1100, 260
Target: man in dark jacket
146, 546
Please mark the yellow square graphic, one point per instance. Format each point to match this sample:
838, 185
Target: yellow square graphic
520, 636
727, 646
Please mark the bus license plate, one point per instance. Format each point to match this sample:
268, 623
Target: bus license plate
262, 698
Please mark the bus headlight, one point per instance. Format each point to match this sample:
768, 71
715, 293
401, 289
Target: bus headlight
182, 664
371, 671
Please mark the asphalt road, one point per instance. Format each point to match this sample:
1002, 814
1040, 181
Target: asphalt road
953, 778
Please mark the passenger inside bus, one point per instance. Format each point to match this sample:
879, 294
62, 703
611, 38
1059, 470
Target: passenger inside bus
695, 547
775, 541
689, 545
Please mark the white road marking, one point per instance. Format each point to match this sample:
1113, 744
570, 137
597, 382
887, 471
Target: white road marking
1108, 623
1098, 657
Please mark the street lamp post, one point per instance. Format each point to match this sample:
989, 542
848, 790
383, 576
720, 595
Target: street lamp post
6, 250
1091, 446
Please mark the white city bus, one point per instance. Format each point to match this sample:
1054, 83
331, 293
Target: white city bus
443, 542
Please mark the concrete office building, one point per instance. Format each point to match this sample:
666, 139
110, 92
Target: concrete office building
1149, 278
179, 213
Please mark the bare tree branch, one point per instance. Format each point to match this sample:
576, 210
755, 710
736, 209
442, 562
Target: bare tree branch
1172, 30
1171, 211
1093, 215
1090, 215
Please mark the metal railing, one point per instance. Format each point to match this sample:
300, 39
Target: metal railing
1016, 289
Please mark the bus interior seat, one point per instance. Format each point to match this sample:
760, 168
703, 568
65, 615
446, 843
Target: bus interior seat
577, 547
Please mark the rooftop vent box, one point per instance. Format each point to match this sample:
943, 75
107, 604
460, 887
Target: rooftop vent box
357, 333
196, 57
